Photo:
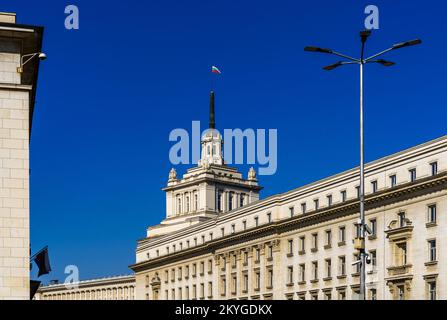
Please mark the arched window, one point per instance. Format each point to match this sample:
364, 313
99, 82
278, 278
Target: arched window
208, 149
214, 149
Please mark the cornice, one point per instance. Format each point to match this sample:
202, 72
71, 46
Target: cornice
379, 199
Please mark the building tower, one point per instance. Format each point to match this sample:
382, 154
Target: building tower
207, 190
17, 96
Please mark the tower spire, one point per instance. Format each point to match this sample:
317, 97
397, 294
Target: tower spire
212, 124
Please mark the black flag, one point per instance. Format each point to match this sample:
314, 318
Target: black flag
34, 285
43, 262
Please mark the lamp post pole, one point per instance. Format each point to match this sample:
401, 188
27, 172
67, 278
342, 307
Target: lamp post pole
363, 228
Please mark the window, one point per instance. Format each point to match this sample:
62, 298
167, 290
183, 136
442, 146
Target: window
245, 255
245, 282
412, 175
373, 256
233, 228
187, 272
328, 268
195, 241
242, 200
179, 203
328, 238
314, 295
256, 221
343, 195
291, 212
222, 231
257, 255
434, 168
393, 180
187, 204
402, 220
230, 201
233, 285
358, 191
315, 270
431, 290
302, 274
194, 291
357, 266
196, 202
342, 234
202, 267
432, 250
203, 239
187, 243
373, 294
257, 280
219, 201
401, 254
290, 248
329, 200
290, 275
432, 213
173, 275
315, 242
303, 208
374, 186
233, 261
342, 266
211, 236
210, 266
270, 252
244, 224
223, 286
373, 227
401, 292
302, 244
269, 217
316, 204
210, 289
269, 278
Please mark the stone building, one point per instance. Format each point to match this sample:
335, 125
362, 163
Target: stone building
17, 98
299, 244
112, 288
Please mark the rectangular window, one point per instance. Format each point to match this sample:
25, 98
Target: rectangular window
393, 181
291, 212
202, 291
432, 213
315, 270
194, 269
374, 186
342, 266
373, 294
328, 268
328, 238
302, 244
373, 256
412, 173
302, 272
270, 252
222, 231
269, 278
223, 286
257, 280
303, 208
194, 292
373, 226
434, 168
358, 191
269, 217
256, 221
343, 195
432, 250
245, 258
402, 219
245, 282
401, 254
233, 285
210, 266
315, 242
316, 204
257, 255
290, 275
327, 295
342, 234
210, 289
290, 248
329, 200
233, 261
244, 225
202, 267
431, 290
233, 228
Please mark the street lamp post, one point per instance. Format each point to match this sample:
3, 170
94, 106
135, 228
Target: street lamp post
363, 227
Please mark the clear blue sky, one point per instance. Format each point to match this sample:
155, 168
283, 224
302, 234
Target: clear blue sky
110, 93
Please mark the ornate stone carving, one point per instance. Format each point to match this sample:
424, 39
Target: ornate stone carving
173, 175
252, 174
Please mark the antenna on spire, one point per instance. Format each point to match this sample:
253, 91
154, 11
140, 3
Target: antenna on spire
212, 124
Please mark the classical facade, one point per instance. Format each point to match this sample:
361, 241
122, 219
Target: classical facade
17, 96
113, 288
219, 241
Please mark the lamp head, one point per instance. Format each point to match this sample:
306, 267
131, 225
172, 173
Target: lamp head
407, 44
42, 56
317, 49
364, 35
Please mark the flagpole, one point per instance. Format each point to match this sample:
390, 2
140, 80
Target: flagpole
34, 255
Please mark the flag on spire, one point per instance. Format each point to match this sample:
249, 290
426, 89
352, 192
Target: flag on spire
214, 69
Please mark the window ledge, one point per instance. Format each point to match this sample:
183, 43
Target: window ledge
301, 283
269, 287
289, 255
314, 280
372, 237
431, 263
328, 246
342, 243
302, 252
355, 274
314, 250
327, 279
290, 284
269, 259
431, 224
342, 276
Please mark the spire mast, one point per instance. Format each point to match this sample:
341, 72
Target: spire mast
212, 124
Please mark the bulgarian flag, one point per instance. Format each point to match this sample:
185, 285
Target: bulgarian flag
215, 70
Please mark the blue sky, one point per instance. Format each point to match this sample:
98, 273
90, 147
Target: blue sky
110, 93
